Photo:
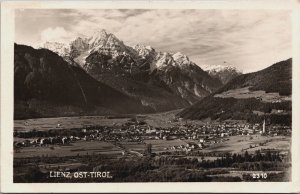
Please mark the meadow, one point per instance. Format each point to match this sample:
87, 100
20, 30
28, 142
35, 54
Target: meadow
78, 148
67, 122
239, 144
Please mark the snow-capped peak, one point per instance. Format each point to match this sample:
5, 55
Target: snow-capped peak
80, 44
144, 51
99, 37
139, 47
99, 34
107, 41
149, 48
163, 59
181, 59
57, 47
218, 68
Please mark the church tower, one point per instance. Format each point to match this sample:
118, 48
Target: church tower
264, 127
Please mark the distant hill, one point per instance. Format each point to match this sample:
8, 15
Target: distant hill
46, 85
251, 97
276, 78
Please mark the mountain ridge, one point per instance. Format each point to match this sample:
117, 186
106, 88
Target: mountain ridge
42, 77
252, 97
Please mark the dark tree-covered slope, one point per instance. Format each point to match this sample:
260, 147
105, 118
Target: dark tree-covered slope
44, 77
274, 79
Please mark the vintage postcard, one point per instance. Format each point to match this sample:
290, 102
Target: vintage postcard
150, 96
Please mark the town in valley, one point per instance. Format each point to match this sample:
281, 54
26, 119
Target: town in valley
201, 148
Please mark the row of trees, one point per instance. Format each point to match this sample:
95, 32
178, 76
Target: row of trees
230, 159
240, 109
159, 168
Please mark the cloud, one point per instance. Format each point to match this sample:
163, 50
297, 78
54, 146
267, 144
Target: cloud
57, 34
248, 39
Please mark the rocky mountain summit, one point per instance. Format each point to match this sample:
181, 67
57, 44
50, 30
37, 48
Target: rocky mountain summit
59, 48
105, 57
224, 73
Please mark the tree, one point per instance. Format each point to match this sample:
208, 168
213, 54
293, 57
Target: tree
34, 174
148, 150
247, 156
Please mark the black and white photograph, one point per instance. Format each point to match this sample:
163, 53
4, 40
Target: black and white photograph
152, 95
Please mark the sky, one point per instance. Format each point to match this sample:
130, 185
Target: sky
247, 39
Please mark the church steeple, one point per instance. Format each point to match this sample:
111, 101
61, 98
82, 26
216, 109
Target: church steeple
264, 127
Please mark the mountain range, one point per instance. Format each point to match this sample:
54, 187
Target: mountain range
99, 75
102, 75
160, 80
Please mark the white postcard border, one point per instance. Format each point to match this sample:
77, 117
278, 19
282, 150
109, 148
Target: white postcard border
7, 41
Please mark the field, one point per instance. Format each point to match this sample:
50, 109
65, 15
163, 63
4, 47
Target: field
160, 145
66, 122
130, 157
95, 147
235, 144
241, 93
161, 119
238, 144
155, 120
78, 148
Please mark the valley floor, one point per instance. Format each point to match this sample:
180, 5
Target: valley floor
149, 148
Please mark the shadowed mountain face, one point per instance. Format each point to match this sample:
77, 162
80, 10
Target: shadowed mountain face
191, 83
252, 97
47, 85
162, 81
